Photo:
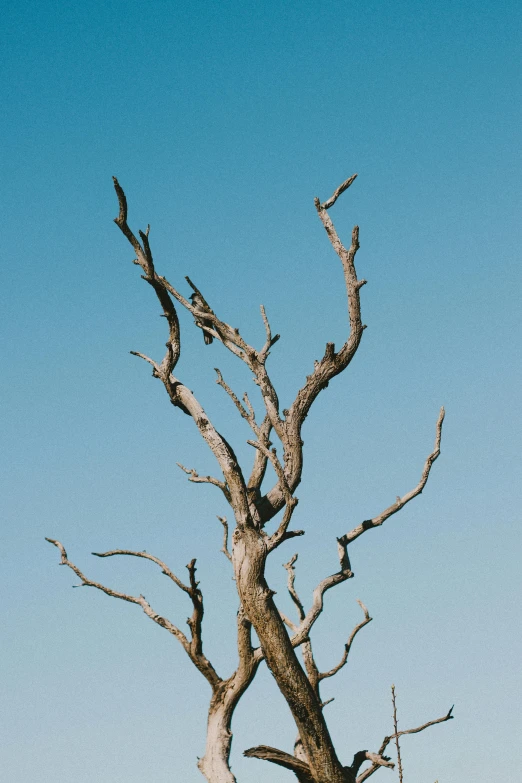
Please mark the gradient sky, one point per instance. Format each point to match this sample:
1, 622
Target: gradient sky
222, 122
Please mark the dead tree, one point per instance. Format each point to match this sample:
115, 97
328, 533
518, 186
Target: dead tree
314, 760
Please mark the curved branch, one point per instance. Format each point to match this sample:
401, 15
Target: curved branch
317, 602
192, 647
165, 569
348, 645
197, 479
145, 260
400, 502
266, 753
224, 548
327, 368
179, 394
291, 586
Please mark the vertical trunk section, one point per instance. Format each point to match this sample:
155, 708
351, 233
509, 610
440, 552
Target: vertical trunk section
215, 763
256, 598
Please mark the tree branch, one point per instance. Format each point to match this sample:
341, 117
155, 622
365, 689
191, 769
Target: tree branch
224, 548
178, 393
261, 460
197, 479
377, 761
270, 341
291, 502
145, 260
345, 185
317, 602
386, 741
308, 656
266, 753
291, 586
249, 415
165, 569
330, 365
400, 502
348, 645
192, 647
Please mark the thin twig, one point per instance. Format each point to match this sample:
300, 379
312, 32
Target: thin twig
386, 741
348, 645
197, 479
396, 730
247, 415
165, 569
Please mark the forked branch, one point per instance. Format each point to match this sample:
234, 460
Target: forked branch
282, 533
220, 330
193, 647
314, 675
179, 394
386, 741
318, 601
327, 368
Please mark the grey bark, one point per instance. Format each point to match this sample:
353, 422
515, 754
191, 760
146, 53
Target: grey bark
315, 759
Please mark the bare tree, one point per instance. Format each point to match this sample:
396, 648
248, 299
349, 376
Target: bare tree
314, 760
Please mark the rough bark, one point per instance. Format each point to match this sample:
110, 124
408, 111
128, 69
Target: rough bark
215, 764
249, 556
315, 759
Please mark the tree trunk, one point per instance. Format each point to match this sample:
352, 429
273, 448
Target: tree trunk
215, 763
249, 555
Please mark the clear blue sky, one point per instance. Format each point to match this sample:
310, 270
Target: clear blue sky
223, 121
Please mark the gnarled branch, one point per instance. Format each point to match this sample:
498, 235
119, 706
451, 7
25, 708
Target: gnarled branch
178, 393
327, 368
